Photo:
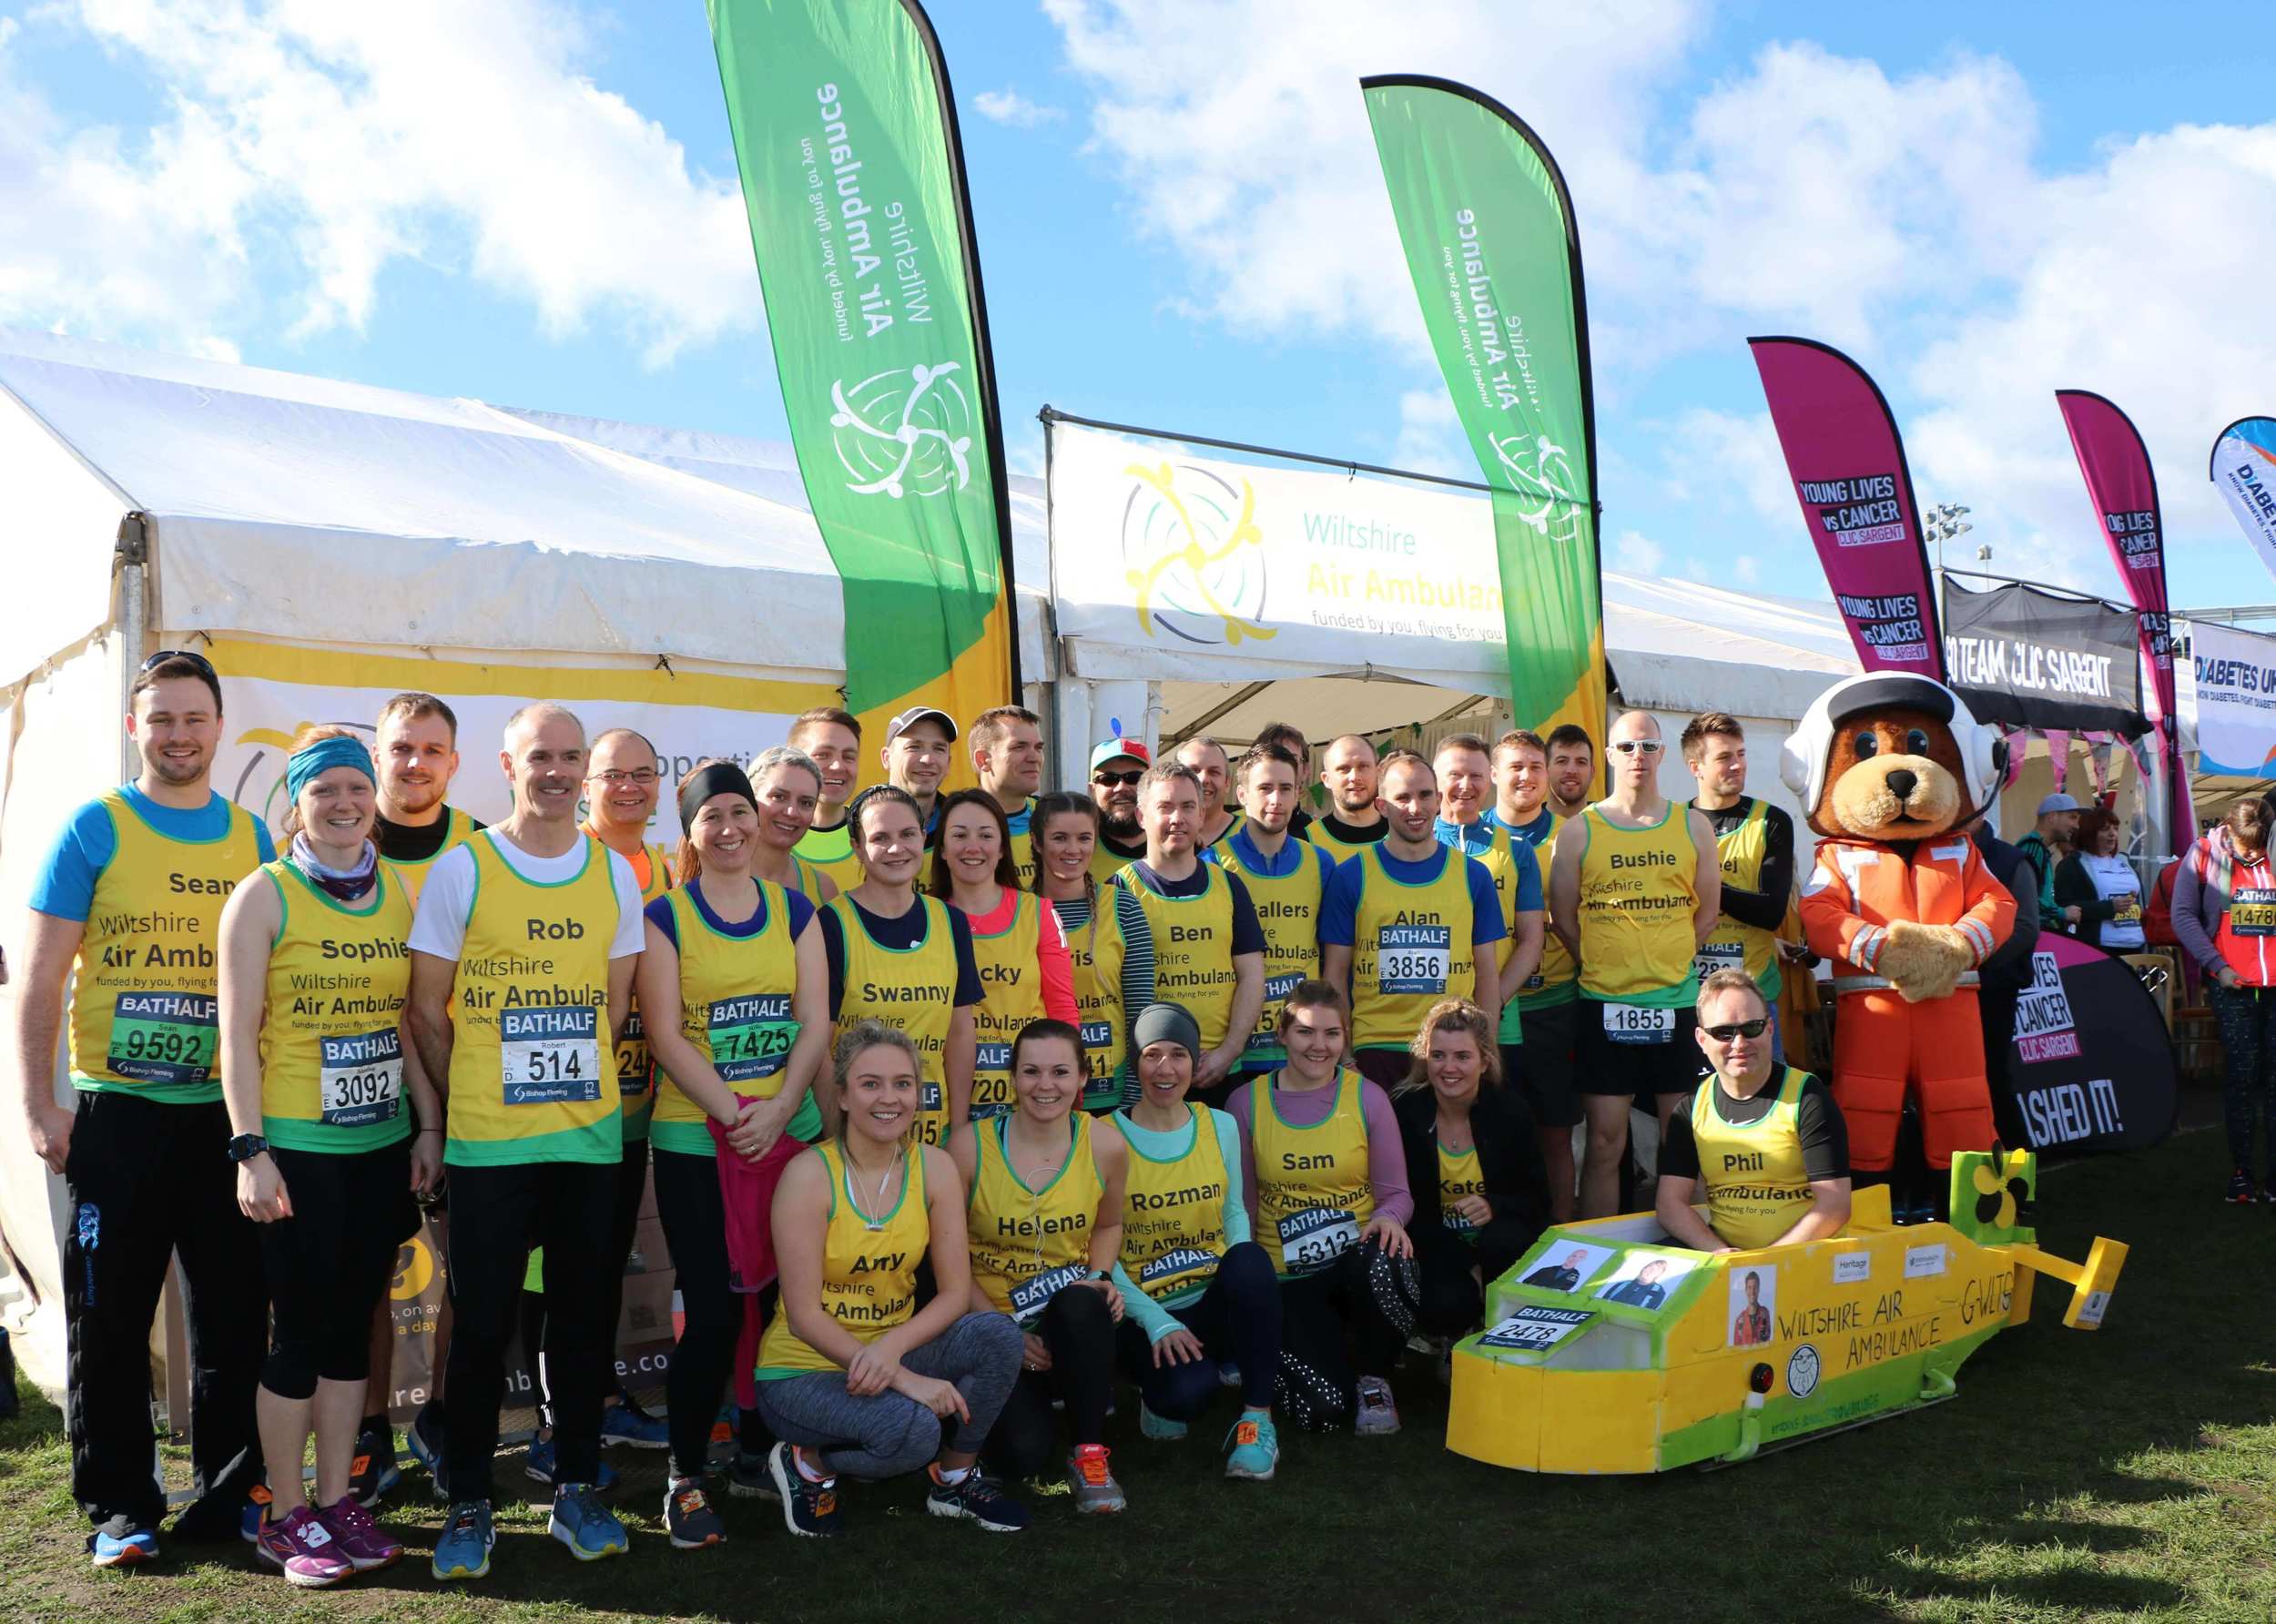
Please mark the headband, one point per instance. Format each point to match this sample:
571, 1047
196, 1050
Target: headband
717, 777
331, 751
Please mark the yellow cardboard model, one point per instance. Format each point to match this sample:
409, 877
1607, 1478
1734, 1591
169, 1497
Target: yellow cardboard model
1613, 1350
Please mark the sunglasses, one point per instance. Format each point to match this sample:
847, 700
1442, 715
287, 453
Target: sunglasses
205, 666
1743, 1029
1116, 779
1630, 746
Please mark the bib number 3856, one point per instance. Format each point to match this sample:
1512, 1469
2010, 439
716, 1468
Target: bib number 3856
550, 1056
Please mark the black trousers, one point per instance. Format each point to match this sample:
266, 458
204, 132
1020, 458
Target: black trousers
1078, 1328
695, 1219
148, 1181
623, 1222
1237, 1318
1348, 1320
1453, 1300
497, 1215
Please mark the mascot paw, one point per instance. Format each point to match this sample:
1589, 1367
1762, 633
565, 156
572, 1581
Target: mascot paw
1924, 962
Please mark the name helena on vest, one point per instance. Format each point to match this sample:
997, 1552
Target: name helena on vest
1029, 1228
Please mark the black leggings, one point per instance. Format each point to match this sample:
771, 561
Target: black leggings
1348, 1320
329, 1261
695, 1219
1453, 1299
2247, 1019
631, 1186
1238, 1317
1078, 1328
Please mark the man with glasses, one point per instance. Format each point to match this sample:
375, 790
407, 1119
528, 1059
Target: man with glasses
1008, 758
128, 903
1754, 848
916, 758
1354, 819
1763, 1145
1116, 765
1635, 889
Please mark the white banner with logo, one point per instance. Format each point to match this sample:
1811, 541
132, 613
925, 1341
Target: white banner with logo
2236, 700
1180, 563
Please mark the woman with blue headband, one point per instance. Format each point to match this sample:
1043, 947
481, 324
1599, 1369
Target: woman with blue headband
344, 1132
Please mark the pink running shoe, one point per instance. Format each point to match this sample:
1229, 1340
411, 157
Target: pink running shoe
303, 1549
357, 1537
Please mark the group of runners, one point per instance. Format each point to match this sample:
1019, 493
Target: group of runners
959, 1110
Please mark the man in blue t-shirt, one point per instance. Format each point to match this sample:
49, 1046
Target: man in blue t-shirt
129, 902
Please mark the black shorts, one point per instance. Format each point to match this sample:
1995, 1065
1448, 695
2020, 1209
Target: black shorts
1603, 1067
1548, 1063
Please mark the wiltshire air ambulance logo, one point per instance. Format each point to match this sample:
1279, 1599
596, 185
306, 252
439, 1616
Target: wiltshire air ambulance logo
1193, 554
1542, 481
906, 432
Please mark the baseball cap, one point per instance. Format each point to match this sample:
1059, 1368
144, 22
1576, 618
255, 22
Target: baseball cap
916, 714
2058, 802
1116, 749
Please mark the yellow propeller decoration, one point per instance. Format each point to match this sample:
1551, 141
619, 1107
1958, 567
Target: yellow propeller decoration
1196, 556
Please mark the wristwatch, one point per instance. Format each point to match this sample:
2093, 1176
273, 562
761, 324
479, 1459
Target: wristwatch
246, 1146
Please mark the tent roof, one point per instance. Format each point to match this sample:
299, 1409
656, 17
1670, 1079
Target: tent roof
315, 509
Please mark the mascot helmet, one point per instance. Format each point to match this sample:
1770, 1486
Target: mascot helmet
1802, 763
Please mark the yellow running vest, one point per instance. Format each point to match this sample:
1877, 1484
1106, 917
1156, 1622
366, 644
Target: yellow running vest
533, 1072
1011, 995
1173, 1214
830, 852
458, 828
635, 1068
913, 989
1105, 864
1192, 949
1459, 1176
1339, 852
1638, 888
1095, 951
1756, 1183
1734, 945
1410, 948
1500, 861
735, 1009
1288, 911
1553, 982
332, 1053
868, 1265
1314, 1194
1029, 1244
144, 1009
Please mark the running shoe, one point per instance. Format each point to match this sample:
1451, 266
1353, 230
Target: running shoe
750, 1478
538, 1465
1228, 1374
2243, 1189
373, 1471
256, 1513
1091, 1475
809, 1509
123, 1542
303, 1549
463, 1549
689, 1517
977, 1496
357, 1537
1252, 1449
1159, 1428
1378, 1414
625, 1422
424, 1439
587, 1527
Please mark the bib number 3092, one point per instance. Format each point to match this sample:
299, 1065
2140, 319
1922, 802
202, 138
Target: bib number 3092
361, 1081
550, 1056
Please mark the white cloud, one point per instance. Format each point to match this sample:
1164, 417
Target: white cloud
1009, 106
1635, 553
1431, 435
308, 146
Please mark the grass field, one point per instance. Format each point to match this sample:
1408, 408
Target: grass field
2129, 1472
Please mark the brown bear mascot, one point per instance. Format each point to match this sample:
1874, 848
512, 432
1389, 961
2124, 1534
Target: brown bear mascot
1892, 770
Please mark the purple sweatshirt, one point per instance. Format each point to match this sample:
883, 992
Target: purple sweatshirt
1386, 1156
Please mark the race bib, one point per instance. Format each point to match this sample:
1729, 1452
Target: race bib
2251, 912
1317, 1237
550, 1056
1639, 1023
2127, 913
1098, 1042
633, 1066
1718, 955
933, 1107
1413, 959
1157, 1274
1030, 1299
362, 1079
750, 1037
1532, 1328
164, 1037
1265, 1039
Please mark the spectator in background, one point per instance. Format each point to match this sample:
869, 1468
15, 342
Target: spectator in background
2057, 822
2098, 889
2004, 975
2224, 911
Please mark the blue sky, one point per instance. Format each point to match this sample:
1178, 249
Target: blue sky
1182, 225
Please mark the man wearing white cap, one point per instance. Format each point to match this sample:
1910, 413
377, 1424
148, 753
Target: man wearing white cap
916, 758
2057, 826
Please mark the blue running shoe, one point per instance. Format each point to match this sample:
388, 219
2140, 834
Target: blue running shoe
463, 1549
256, 1513
373, 1471
977, 1497
540, 1465
123, 1542
1228, 1374
625, 1423
1159, 1428
1252, 1449
587, 1527
424, 1439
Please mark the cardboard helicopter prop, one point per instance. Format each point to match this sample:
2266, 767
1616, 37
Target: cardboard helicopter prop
1611, 1349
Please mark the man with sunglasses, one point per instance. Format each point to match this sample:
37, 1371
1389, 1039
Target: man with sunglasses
129, 902
1116, 765
1763, 1145
1634, 890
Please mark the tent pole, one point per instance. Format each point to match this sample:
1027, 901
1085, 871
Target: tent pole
133, 551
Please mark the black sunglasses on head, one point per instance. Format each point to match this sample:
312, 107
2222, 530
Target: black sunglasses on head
205, 666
